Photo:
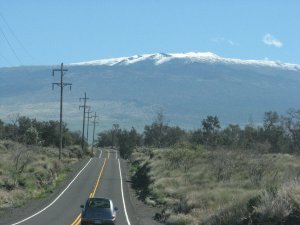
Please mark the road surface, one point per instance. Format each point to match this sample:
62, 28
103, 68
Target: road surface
100, 177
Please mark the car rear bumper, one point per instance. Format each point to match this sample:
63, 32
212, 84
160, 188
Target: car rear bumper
97, 222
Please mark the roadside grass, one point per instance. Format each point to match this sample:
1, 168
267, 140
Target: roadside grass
217, 187
28, 172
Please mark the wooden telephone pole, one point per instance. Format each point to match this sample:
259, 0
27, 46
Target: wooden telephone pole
84, 106
61, 84
88, 124
94, 122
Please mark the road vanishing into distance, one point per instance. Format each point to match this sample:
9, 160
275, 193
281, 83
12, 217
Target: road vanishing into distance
101, 176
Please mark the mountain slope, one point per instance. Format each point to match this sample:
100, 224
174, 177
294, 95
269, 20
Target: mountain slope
130, 90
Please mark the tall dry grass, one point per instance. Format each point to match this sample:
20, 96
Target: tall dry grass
30, 171
197, 186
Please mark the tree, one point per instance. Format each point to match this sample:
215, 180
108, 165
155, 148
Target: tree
12, 129
114, 134
249, 137
1, 129
127, 141
105, 138
124, 147
154, 133
50, 133
151, 135
68, 139
76, 137
31, 136
211, 124
159, 124
274, 132
10, 132
172, 136
134, 137
24, 123
291, 125
210, 127
231, 135
271, 120
197, 137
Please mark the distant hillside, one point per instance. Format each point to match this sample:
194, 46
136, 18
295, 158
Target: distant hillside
130, 90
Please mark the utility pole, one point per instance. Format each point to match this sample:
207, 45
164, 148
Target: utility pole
88, 123
84, 106
61, 84
95, 116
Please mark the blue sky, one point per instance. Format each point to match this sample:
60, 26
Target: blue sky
35, 32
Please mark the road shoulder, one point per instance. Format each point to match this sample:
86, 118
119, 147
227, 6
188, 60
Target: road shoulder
143, 214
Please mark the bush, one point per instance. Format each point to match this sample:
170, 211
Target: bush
44, 177
180, 219
276, 207
257, 169
9, 183
31, 136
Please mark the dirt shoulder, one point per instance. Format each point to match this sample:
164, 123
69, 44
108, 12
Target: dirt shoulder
144, 214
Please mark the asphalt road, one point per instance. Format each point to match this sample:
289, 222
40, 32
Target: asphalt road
100, 177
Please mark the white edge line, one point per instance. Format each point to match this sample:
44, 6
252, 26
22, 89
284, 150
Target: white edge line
100, 154
116, 154
125, 211
55, 198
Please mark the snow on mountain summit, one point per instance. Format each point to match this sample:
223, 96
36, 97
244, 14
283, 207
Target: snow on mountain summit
190, 57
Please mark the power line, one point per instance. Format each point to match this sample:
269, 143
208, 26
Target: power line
15, 36
61, 84
84, 106
10, 46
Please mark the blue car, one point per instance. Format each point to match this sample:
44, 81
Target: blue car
98, 211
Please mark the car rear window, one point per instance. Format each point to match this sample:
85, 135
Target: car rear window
99, 203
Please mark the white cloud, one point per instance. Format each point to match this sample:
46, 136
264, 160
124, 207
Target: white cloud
224, 40
268, 39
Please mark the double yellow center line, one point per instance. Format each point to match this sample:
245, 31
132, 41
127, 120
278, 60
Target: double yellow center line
77, 220
98, 180
92, 194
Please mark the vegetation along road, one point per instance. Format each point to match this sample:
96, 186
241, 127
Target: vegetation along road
101, 176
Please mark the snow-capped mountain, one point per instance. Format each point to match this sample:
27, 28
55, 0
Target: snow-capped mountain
130, 90
190, 57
